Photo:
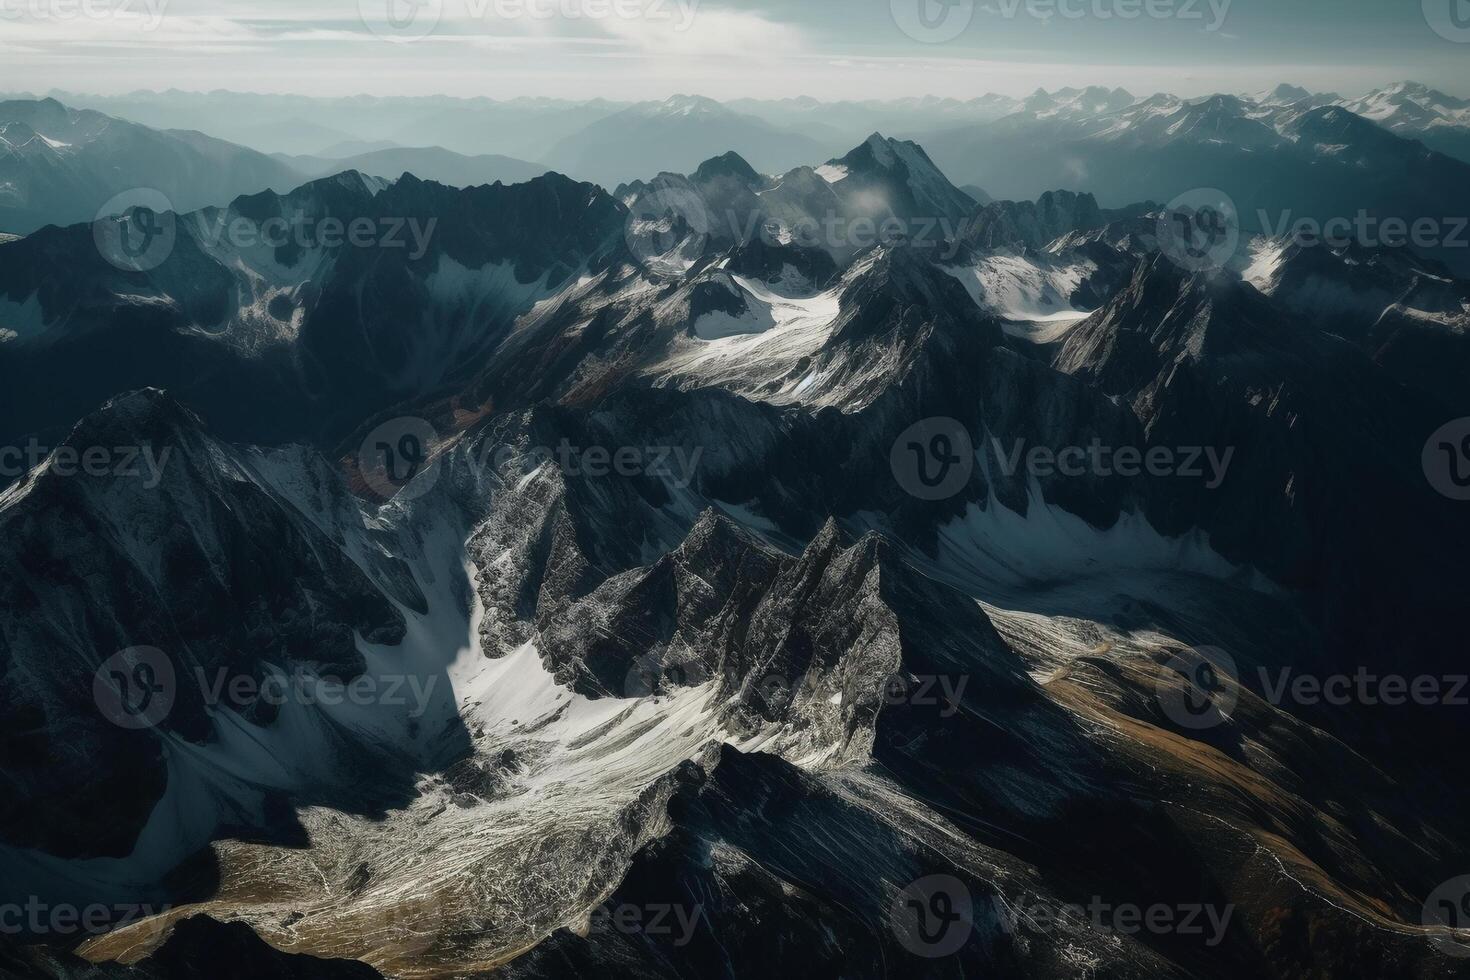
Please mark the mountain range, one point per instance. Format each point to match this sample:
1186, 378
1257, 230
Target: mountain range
817, 672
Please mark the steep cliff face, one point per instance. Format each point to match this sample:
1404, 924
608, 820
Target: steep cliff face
747, 606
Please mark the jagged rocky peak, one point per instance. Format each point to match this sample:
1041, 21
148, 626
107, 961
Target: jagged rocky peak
891, 283
729, 165
917, 187
1285, 94
1167, 310
780, 264
193, 553
1033, 224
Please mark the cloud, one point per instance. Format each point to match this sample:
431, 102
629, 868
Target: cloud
687, 28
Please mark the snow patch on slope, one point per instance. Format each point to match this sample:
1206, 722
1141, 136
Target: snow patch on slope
756, 364
1024, 289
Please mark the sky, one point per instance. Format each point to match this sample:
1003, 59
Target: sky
643, 49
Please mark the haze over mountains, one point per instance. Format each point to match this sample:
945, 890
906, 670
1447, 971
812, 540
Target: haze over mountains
1012, 147
819, 665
